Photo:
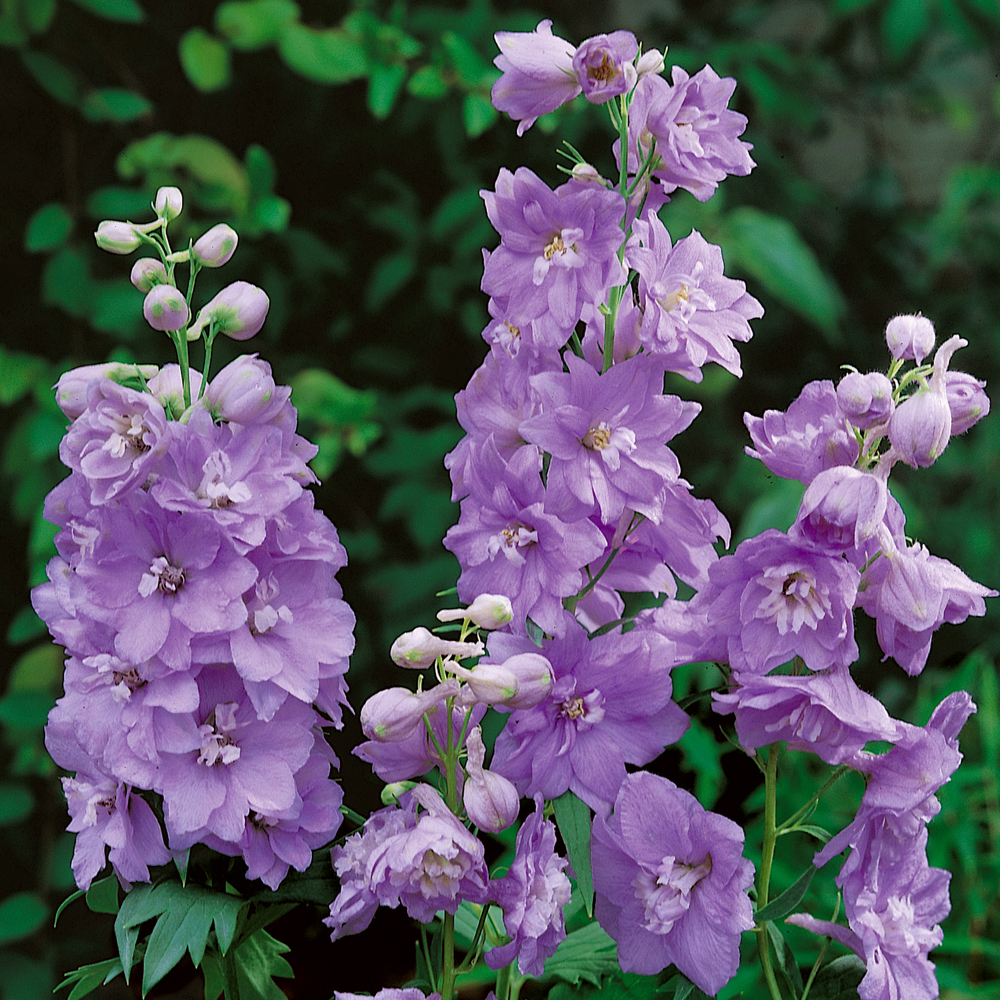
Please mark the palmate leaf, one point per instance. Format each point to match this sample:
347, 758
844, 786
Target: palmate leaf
88, 978
185, 916
588, 953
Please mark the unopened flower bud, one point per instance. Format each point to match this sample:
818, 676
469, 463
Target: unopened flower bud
910, 337
215, 247
390, 715
921, 426
244, 392
168, 388
392, 793
147, 272
650, 62
586, 174
490, 800
535, 678
490, 683
168, 203
165, 309
71, 389
966, 400
865, 399
238, 311
117, 237
419, 648
487, 611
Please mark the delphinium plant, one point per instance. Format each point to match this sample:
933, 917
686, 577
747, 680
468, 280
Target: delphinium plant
194, 590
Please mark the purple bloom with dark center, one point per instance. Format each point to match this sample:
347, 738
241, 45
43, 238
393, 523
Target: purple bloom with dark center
610, 705
910, 594
532, 895
511, 544
691, 312
694, 134
805, 440
606, 435
774, 600
537, 74
604, 65
558, 249
826, 714
671, 883
118, 442
238, 765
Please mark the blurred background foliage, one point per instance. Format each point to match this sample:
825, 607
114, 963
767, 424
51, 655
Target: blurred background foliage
347, 143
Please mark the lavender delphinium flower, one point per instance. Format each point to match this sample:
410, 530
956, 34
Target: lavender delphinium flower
691, 312
823, 713
606, 436
691, 132
537, 74
806, 439
610, 705
773, 600
557, 248
532, 895
671, 883
841, 508
604, 65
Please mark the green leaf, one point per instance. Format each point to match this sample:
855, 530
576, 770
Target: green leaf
53, 77
472, 68
66, 282
588, 954
851, 6
22, 978
385, 80
48, 228
261, 170
88, 978
904, 24
114, 10
478, 114
115, 104
21, 914
256, 23
204, 59
574, 822
328, 56
117, 203
388, 277
839, 980
779, 908
786, 966
771, 250
102, 896
16, 802
258, 959
19, 373
686, 990
427, 83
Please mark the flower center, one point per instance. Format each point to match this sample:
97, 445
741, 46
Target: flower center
162, 576
510, 541
606, 71
214, 486
794, 599
217, 745
665, 891
586, 710
126, 436
669, 302
554, 247
597, 437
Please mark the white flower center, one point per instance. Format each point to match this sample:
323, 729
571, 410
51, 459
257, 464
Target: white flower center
127, 430
217, 745
214, 486
510, 541
795, 598
161, 576
665, 891
560, 251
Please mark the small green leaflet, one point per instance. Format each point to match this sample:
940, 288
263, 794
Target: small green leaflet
788, 900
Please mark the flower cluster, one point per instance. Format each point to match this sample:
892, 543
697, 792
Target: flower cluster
194, 591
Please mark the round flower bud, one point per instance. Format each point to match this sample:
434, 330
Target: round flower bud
215, 247
168, 203
650, 62
244, 392
148, 272
490, 800
165, 309
865, 399
910, 337
920, 428
71, 389
392, 714
117, 237
238, 311
487, 611
967, 401
534, 679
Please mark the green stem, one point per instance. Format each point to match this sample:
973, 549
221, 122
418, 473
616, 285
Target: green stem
448, 958
766, 860
503, 983
179, 338
209, 340
516, 982
799, 813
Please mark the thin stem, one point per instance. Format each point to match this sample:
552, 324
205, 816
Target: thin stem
469, 962
448, 957
209, 340
766, 859
427, 957
799, 813
503, 982
229, 974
